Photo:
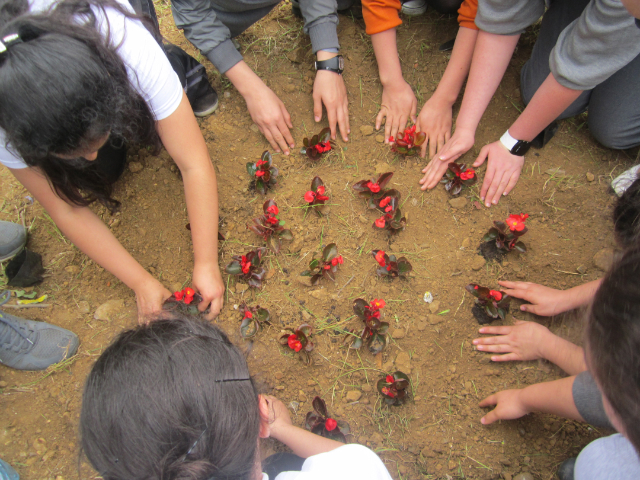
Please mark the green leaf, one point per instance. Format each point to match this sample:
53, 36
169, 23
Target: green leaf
492, 310
359, 305
248, 328
286, 235
404, 266
263, 315
266, 157
260, 187
330, 252
325, 135
234, 268
313, 264
419, 138
444, 312
274, 243
315, 183
306, 273
521, 247
23, 294
251, 169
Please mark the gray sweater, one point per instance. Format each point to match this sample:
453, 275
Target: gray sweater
591, 49
211, 24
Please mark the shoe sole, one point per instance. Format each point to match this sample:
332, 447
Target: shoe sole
208, 111
415, 11
12, 254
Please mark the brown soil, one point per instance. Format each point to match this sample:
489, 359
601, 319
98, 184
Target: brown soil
437, 434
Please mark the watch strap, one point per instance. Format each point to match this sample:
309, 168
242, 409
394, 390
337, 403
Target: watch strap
508, 141
515, 147
333, 64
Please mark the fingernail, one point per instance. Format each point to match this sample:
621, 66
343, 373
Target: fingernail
287, 152
317, 119
495, 202
487, 205
504, 194
482, 198
480, 347
522, 307
482, 420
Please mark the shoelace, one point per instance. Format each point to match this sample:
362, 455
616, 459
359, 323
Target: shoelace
8, 336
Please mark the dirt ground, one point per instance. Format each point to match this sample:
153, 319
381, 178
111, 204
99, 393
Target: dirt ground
437, 434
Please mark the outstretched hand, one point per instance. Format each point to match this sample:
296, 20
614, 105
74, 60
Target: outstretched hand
459, 143
503, 172
522, 341
329, 89
399, 104
149, 300
279, 416
435, 121
508, 406
543, 301
207, 281
271, 116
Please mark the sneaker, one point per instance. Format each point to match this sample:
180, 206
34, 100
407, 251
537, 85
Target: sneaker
545, 135
7, 472
565, 471
202, 97
414, 7
30, 345
625, 179
13, 238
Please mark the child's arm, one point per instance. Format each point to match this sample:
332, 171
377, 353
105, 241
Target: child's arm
491, 57
398, 101
302, 442
545, 301
531, 341
550, 397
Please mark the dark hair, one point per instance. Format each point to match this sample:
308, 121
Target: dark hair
63, 87
156, 406
613, 341
626, 216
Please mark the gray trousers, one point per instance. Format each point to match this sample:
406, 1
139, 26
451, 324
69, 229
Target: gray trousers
614, 105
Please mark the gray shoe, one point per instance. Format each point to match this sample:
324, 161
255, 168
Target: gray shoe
30, 345
13, 238
413, 8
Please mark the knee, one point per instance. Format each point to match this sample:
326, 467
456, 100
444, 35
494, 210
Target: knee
613, 134
445, 6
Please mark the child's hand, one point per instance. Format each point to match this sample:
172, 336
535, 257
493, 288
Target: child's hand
460, 142
509, 406
503, 172
279, 417
523, 341
435, 120
398, 105
544, 301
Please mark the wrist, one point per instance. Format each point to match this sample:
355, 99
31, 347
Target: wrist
322, 55
442, 99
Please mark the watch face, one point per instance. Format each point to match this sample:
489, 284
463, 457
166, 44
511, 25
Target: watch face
340, 62
520, 148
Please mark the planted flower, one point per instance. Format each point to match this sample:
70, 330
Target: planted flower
270, 227
298, 341
316, 197
263, 173
458, 176
319, 144
374, 333
503, 237
185, 300
394, 222
254, 318
373, 189
390, 266
394, 388
409, 142
489, 305
248, 267
326, 266
320, 423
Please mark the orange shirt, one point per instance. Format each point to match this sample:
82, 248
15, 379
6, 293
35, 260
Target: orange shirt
382, 15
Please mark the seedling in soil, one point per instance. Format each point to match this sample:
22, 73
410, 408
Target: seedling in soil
263, 173
390, 266
247, 267
490, 304
504, 237
394, 222
320, 423
253, 321
270, 227
373, 189
374, 333
409, 143
394, 388
186, 301
316, 196
326, 266
458, 176
319, 144
298, 341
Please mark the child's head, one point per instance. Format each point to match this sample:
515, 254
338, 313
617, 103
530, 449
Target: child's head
173, 400
613, 343
626, 216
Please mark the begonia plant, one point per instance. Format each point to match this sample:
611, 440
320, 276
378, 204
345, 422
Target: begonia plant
458, 176
320, 423
317, 145
270, 227
325, 266
489, 304
298, 341
253, 320
248, 267
408, 142
393, 388
373, 189
316, 196
391, 266
507, 234
186, 300
374, 333
263, 172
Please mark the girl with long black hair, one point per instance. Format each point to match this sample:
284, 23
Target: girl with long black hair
80, 79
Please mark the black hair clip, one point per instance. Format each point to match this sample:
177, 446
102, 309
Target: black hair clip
7, 41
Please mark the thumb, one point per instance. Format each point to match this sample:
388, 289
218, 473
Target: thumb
527, 307
490, 417
487, 402
482, 157
379, 117
317, 108
450, 152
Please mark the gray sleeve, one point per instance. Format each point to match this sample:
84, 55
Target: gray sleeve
588, 400
203, 28
506, 17
320, 23
595, 46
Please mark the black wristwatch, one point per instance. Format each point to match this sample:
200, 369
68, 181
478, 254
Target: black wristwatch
515, 147
335, 64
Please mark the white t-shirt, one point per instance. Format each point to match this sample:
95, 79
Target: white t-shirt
351, 462
147, 66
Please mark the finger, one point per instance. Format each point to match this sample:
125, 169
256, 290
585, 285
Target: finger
503, 330
489, 418
498, 348
387, 128
393, 130
509, 357
437, 173
381, 114
487, 402
500, 188
511, 284
279, 139
343, 122
433, 146
346, 116
440, 143
512, 182
535, 309
482, 156
402, 123
488, 178
317, 108
451, 153
331, 116
269, 136
490, 198
287, 119
284, 128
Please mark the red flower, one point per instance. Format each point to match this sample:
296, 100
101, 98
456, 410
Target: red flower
294, 343
374, 187
391, 139
388, 268
380, 222
380, 258
337, 260
248, 314
273, 210
259, 173
245, 265
330, 424
497, 296
179, 295
390, 379
322, 198
467, 174
378, 303
384, 202
309, 196
327, 266
188, 299
259, 163
320, 190
388, 209
189, 292
387, 391
516, 222
271, 220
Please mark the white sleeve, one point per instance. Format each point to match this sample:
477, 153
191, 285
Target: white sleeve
350, 462
7, 158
